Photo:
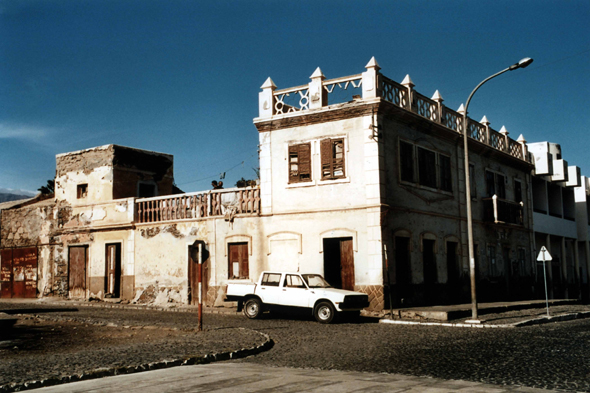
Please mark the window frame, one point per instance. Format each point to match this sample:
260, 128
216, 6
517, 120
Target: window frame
82, 191
331, 163
298, 149
496, 184
409, 166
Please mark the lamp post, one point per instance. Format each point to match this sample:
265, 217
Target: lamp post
521, 64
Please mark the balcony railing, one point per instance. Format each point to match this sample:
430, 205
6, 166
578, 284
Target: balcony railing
502, 211
198, 205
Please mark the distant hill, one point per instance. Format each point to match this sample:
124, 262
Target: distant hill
7, 195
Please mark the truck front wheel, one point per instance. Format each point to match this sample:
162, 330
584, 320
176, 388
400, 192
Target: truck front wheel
324, 312
253, 308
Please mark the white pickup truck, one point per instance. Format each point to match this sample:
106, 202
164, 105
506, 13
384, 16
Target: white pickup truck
283, 289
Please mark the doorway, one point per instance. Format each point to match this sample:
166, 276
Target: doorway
113, 271
19, 273
78, 257
339, 262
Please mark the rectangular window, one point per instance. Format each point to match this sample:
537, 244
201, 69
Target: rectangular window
501, 186
300, 163
332, 156
517, 191
490, 184
426, 168
495, 185
293, 281
445, 173
82, 191
406, 161
271, 279
472, 181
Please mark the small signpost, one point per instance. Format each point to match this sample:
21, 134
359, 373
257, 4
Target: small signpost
545, 256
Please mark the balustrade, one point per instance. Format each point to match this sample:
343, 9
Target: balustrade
195, 206
374, 84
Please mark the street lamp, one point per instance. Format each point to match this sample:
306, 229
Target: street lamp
521, 64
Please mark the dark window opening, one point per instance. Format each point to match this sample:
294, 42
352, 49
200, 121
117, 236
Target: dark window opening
495, 185
445, 173
426, 168
146, 190
82, 191
517, 191
406, 158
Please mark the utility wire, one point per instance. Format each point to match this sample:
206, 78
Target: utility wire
217, 174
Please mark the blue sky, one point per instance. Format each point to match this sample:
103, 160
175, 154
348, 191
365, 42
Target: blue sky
182, 77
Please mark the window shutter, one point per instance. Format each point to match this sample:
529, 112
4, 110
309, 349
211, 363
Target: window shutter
326, 157
305, 162
244, 272
293, 163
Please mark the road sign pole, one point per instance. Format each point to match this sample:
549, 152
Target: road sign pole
545, 279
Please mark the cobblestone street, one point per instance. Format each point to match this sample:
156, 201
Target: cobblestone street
551, 356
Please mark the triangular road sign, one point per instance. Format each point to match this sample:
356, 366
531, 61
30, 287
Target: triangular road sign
544, 255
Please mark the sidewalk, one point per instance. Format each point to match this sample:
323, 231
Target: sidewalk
244, 377
491, 315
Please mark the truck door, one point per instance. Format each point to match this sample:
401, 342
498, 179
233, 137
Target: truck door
269, 288
294, 292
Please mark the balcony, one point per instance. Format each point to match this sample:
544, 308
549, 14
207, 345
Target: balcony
502, 211
198, 205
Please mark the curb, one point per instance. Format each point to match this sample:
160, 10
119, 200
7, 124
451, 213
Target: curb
557, 318
176, 308
109, 372
447, 324
529, 322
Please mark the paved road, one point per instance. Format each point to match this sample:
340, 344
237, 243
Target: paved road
228, 377
552, 356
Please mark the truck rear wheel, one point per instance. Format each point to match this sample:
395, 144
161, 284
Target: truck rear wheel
324, 312
253, 308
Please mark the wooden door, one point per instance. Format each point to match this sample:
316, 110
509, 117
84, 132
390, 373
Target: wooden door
113, 271
19, 273
347, 264
6, 274
193, 278
238, 260
24, 267
77, 271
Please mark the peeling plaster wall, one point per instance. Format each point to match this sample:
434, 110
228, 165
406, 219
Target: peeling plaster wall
161, 259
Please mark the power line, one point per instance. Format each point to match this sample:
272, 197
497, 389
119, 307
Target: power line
217, 174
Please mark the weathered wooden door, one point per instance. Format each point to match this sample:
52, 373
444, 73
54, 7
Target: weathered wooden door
113, 271
347, 264
6, 274
193, 278
238, 260
77, 272
19, 273
339, 262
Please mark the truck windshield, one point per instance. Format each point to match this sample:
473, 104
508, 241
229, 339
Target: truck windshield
315, 281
